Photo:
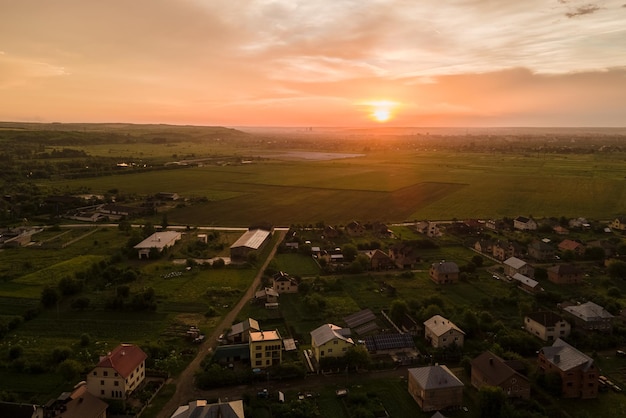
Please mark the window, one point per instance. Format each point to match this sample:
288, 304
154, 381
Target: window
330, 350
258, 355
95, 373
116, 383
102, 392
102, 383
258, 347
258, 363
335, 342
105, 374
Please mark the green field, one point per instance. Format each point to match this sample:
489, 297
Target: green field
385, 186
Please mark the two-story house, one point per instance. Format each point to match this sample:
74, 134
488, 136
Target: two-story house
579, 375
514, 265
435, 388
330, 340
591, 317
547, 325
118, 373
266, 349
444, 272
524, 224
490, 370
440, 332
284, 283
540, 250
565, 274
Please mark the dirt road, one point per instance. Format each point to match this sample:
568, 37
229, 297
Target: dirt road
185, 388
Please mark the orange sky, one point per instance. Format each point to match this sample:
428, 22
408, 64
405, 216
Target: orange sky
315, 63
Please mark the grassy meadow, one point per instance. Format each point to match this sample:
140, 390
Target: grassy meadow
389, 186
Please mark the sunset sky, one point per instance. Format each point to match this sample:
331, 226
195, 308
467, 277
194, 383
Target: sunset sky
315, 62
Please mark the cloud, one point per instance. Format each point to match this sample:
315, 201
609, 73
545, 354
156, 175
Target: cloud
586, 9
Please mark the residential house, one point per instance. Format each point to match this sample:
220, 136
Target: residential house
203, 409
118, 373
240, 332
330, 232
527, 284
267, 295
565, 274
608, 247
76, 404
590, 316
381, 229
379, 260
158, 241
581, 223
284, 283
444, 272
619, 223
483, 246
428, 228
330, 340
251, 240
403, 255
547, 326
570, 245
435, 388
540, 250
514, 265
524, 224
440, 332
495, 224
490, 370
559, 230
354, 229
266, 348
579, 375
502, 249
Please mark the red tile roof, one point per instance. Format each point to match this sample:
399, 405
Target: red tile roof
123, 359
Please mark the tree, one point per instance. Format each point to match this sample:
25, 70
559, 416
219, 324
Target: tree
617, 270
492, 400
478, 260
398, 310
349, 252
357, 356
49, 296
148, 229
164, 223
70, 369
80, 304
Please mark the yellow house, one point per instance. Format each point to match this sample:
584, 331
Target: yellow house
330, 341
118, 373
266, 349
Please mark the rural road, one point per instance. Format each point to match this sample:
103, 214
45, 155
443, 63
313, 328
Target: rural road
185, 388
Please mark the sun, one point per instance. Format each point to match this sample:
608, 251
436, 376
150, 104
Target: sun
381, 110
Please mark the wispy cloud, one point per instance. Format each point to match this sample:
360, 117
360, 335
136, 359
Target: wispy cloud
586, 9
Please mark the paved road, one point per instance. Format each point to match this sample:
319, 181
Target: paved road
185, 388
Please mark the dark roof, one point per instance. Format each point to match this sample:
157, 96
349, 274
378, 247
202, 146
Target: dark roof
445, 267
494, 370
359, 318
545, 318
388, 342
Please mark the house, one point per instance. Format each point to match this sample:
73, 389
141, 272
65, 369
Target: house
330, 340
240, 332
581, 223
495, 224
203, 409
158, 241
548, 326
490, 370
526, 283
619, 223
382, 230
251, 240
571, 245
284, 283
444, 272
118, 373
540, 250
76, 404
428, 228
379, 260
565, 274
354, 229
403, 255
590, 316
435, 388
524, 224
483, 246
502, 249
579, 375
440, 332
559, 230
266, 349
267, 295
330, 232
514, 265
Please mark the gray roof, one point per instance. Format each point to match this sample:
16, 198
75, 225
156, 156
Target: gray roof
446, 267
566, 357
515, 263
200, 409
525, 280
159, 240
435, 377
326, 333
588, 311
440, 325
252, 239
243, 326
